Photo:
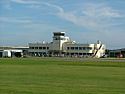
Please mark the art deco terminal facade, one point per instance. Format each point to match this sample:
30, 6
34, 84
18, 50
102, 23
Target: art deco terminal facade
64, 46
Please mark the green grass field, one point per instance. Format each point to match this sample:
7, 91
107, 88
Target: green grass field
62, 76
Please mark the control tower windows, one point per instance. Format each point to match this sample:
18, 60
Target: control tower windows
59, 34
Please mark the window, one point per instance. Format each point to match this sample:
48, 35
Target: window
88, 48
76, 48
72, 48
80, 53
31, 47
80, 48
47, 48
62, 38
40, 47
44, 48
67, 48
59, 34
36, 47
84, 48
54, 38
67, 53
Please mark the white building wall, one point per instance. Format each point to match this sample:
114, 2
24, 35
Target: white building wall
6, 53
101, 51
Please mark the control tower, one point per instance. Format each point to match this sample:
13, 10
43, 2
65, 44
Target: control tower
58, 39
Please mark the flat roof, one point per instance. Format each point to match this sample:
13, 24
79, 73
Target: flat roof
58, 32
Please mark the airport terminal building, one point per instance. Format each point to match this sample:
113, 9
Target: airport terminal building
65, 47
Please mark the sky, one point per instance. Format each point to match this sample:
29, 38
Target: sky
85, 21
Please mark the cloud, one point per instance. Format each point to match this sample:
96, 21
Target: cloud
37, 4
60, 9
78, 20
90, 16
14, 20
25, 1
7, 4
94, 17
100, 11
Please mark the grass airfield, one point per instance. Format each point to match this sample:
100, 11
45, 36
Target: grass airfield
62, 76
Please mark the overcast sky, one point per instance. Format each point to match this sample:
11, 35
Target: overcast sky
85, 21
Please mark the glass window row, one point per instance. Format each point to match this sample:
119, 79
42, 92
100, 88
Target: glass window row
44, 48
79, 48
